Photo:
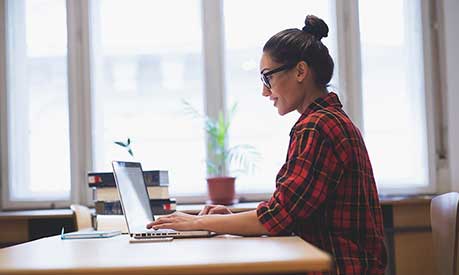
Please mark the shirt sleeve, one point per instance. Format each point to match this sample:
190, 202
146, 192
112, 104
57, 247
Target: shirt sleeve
311, 172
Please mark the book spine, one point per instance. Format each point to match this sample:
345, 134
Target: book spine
106, 179
158, 207
108, 208
111, 193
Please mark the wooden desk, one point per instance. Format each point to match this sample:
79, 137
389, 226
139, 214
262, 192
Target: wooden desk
22, 226
406, 222
217, 255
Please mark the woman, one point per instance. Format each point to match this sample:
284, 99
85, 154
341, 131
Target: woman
325, 192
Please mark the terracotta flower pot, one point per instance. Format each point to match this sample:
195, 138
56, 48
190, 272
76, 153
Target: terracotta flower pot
221, 190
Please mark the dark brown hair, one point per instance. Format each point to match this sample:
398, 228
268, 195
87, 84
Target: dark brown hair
291, 46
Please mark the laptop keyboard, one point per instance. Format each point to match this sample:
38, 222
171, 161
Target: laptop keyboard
159, 232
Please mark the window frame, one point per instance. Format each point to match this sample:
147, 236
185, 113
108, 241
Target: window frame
79, 111
431, 83
80, 56
6, 202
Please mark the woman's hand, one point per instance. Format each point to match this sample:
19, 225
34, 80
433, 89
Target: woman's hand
214, 209
177, 221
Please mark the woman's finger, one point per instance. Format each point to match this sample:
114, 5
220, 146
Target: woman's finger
163, 220
206, 210
165, 226
203, 211
179, 226
213, 211
220, 209
160, 220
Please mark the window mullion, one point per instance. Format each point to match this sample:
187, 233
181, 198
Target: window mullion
79, 97
3, 106
430, 69
213, 52
349, 55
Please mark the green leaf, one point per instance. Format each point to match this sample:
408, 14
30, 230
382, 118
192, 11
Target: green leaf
125, 145
232, 111
211, 168
242, 158
222, 130
190, 110
122, 144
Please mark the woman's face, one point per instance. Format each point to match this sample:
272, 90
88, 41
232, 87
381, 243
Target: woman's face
285, 91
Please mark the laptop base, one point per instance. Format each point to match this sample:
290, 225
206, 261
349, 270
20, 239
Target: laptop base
150, 240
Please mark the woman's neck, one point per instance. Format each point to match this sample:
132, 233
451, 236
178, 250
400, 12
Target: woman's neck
309, 96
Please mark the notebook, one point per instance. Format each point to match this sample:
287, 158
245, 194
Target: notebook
136, 204
89, 234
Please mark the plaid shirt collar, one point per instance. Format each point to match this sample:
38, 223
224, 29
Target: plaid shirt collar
328, 100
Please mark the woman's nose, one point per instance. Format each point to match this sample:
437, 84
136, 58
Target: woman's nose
266, 91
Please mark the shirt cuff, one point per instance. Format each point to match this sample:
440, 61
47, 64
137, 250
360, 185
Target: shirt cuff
274, 218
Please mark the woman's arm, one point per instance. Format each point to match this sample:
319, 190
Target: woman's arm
245, 223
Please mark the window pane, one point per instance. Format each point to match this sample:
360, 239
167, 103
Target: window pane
38, 126
393, 92
257, 122
147, 59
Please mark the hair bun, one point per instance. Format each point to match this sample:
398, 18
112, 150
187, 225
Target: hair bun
315, 26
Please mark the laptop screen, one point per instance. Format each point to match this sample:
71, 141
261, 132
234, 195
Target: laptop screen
133, 195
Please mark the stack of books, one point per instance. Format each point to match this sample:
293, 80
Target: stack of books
106, 196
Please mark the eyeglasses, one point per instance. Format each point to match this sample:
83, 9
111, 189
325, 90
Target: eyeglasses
265, 76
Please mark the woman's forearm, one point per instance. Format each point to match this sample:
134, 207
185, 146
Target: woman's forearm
245, 223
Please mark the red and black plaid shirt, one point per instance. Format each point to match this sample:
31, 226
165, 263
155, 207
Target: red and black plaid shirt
326, 193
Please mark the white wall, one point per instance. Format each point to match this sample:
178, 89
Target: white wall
450, 22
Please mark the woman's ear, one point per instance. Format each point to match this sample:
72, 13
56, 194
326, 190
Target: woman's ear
302, 71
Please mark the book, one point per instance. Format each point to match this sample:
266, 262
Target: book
89, 234
158, 207
106, 179
111, 193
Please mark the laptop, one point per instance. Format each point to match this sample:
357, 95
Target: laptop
135, 203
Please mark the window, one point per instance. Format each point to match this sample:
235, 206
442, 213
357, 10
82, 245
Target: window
38, 121
139, 59
394, 92
245, 36
144, 66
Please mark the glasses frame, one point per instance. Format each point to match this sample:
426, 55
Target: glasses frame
264, 75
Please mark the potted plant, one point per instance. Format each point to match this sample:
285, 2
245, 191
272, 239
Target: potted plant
241, 158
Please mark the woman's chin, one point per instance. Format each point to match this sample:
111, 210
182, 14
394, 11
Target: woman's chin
281, 111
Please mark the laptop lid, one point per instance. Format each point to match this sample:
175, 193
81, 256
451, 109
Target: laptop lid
135, 202
133, 195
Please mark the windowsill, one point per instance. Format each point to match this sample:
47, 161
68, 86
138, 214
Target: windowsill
195, 208
247, 206
405, 199
36, 214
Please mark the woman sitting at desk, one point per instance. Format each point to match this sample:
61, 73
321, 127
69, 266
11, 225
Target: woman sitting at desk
325, 192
